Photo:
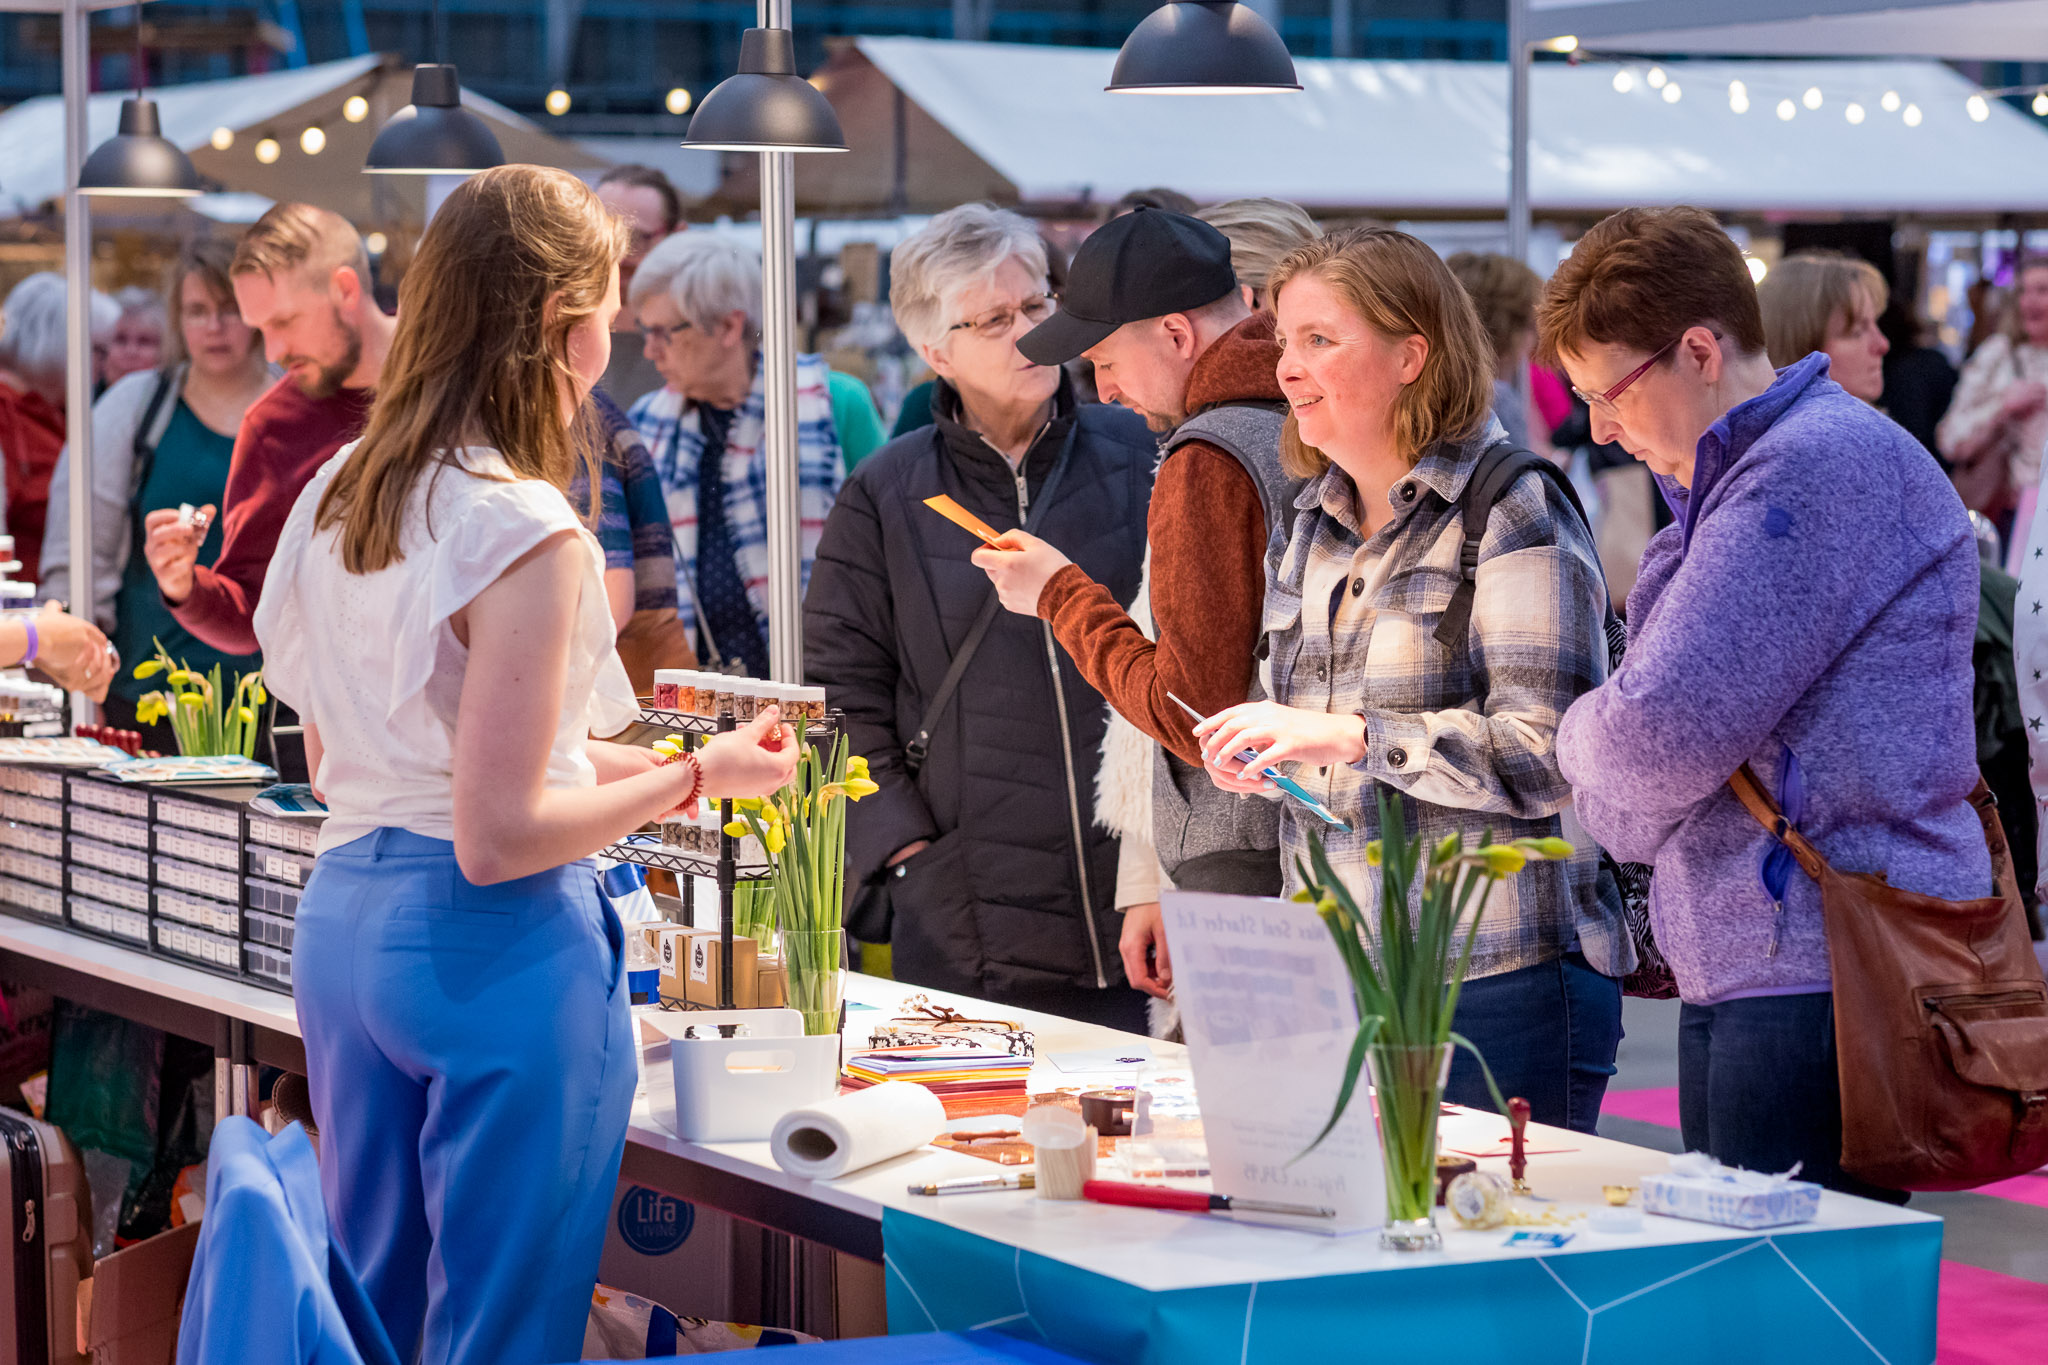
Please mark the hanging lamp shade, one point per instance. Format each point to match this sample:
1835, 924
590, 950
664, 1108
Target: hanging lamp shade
766, 107
138, 161
1194, 47
434, 135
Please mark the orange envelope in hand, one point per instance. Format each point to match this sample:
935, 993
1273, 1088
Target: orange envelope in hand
961, 517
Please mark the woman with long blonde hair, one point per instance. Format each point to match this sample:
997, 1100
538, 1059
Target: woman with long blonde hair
436, 613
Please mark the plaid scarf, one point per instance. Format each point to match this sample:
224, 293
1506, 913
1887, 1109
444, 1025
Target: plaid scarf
676, 440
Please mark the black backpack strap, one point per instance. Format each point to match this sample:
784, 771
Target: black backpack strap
921, 743
1500, 464
156, 420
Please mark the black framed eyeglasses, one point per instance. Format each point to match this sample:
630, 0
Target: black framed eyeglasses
661, 336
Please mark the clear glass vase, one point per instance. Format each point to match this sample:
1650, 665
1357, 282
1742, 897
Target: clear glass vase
1408, 1088
815, 961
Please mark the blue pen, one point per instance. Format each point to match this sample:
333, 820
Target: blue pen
1275, 776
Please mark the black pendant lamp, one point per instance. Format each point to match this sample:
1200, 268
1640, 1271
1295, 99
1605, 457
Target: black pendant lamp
434, 135
766, 107
138, 161
1199, 47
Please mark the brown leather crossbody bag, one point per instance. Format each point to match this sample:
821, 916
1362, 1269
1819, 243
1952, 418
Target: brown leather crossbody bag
1941, 1018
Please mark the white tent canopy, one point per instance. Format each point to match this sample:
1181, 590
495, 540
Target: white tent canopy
1433, 136
279, 104
1991, 30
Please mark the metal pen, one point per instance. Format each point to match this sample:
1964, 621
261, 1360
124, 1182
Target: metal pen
977, 1184
1275, 776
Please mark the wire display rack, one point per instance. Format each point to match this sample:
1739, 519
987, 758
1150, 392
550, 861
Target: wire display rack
725, 869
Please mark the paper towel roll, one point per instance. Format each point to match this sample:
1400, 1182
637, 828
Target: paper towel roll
824, 1141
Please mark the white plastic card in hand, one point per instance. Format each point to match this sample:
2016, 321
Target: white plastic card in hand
1269, 1019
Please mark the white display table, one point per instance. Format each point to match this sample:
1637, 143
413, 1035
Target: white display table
1129, 1285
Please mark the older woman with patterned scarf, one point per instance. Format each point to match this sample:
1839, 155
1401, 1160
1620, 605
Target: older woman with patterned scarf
698, 298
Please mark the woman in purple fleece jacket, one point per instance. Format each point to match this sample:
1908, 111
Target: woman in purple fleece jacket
1811, 613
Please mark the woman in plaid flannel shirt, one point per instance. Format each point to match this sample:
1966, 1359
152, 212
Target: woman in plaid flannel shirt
1388, 374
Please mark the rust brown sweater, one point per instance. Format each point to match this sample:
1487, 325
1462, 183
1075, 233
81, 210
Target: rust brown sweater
1208, 583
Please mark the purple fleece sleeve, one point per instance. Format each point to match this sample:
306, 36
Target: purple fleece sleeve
1787, 566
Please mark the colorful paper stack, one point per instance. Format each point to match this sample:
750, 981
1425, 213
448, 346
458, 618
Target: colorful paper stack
949, 1072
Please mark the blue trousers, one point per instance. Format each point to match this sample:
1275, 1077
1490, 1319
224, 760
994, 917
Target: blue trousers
1758, 1088
472, 1068
1549, 1033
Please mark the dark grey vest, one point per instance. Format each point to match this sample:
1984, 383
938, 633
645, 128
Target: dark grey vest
1209, 839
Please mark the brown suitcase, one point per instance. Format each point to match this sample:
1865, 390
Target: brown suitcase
48, 1246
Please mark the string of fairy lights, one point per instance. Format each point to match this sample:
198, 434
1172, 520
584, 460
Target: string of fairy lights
312, 139
1788, 102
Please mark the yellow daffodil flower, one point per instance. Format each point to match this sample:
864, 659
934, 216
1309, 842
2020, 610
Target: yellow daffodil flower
1372, 853
257, 694
1502, 860
248, 715
857, 787
192, 700
149, 668
774, 839
736, 828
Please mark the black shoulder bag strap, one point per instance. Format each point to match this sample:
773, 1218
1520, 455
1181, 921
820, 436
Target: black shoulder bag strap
921, 743
156, 420
1500, 464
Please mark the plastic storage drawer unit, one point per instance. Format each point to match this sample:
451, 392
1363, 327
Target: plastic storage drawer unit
280, 865
29, 867
41, 782
201, 881
122, 862
109, 828
44, 902
273, 898
33, 810
300, 835
198, 911
272, 930
181, 940
222, 821
111, 920
270, 964
111, 797
46, 843
104, 886
199, 848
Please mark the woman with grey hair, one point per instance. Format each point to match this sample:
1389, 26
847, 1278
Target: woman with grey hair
137, 341
32, 345
978, 859
698, 299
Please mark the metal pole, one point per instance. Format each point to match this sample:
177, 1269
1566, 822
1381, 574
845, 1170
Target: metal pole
1340, 28
1518, 129
76, 57
1518, 152
778, 359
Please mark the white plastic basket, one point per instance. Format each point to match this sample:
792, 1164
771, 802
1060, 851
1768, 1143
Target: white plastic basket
734, 1089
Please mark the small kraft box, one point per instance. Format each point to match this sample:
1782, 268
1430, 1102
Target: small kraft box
701, 975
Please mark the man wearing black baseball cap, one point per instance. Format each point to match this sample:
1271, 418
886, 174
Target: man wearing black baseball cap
1152, 301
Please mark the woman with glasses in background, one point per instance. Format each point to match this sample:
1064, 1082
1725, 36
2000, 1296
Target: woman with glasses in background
161, 438
986, 857
698, 298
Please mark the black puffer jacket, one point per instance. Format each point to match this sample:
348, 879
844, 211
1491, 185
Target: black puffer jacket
999, 906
